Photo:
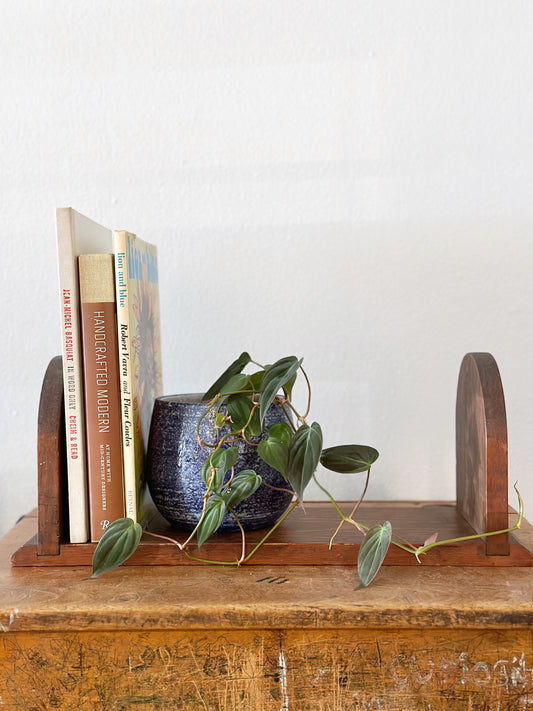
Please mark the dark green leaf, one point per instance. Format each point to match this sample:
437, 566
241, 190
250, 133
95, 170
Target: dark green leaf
235, 384
118, 542
255, 380
304, 455
275, 377
349, 458
275, 449
236, 367
215, 511
372, 552
240, 409
254, 428
243, 485
205, 471
222, 460
281, 431
287, 388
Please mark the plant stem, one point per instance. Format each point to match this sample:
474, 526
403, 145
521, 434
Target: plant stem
164, 538
298, 416
291, 508
256, 547
211, 562
308, 392
348, 519
362, 495
204, 414
424, 549
206, 496
243, 536
330, 497
278, 488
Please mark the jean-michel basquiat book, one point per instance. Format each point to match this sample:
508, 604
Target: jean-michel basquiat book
76, 235
139, 343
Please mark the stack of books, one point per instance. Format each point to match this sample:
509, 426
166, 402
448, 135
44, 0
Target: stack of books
111, 343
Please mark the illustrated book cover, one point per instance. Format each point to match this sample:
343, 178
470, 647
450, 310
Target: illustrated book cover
139, 344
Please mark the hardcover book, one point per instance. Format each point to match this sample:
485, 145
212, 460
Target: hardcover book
103, 422
76, 235
139, 343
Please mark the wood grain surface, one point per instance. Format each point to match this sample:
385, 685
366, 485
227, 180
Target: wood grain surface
289, 638
166, 597
51, 462
304, 539
277, 670
481, 449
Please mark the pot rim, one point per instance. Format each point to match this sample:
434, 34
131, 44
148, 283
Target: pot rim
183, 399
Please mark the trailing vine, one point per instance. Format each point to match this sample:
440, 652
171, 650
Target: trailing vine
239, 402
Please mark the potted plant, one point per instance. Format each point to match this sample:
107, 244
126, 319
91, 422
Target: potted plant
236, 406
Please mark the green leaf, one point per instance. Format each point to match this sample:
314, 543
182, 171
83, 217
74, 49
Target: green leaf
281, 431
287, 388
236, 367
222, 460
239, 409
235, 384
220, 420
118, 542
255, 380
274, 450
304, 455
372, 552
349, 458
254, 428
243, 485
275, 377
215, 510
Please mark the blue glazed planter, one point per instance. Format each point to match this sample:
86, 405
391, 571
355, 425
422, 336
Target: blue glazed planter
175, 460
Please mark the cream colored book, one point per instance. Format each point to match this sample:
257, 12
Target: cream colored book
76, 235
139, 344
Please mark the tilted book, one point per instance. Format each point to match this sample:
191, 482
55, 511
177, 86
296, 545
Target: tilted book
76, 235
139, 343
103, 422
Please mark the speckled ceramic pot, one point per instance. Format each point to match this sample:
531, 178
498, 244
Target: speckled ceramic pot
175, 459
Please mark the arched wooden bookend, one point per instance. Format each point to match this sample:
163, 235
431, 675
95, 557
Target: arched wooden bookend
52, 511
481, 450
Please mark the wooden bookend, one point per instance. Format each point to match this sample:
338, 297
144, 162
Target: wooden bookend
304, 538
481, 450
51, 458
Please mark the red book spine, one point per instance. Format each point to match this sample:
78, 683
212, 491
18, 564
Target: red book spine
102, 392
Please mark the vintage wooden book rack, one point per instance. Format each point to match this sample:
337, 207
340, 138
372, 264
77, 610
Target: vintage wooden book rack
303, 538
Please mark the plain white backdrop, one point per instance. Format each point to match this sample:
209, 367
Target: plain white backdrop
347, 181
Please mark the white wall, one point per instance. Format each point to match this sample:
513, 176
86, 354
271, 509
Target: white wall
349, 181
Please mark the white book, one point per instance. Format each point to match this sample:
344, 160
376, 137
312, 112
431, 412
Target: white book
76, 235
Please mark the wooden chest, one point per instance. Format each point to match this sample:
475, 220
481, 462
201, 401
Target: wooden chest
281, 638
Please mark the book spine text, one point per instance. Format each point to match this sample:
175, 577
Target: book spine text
102, 392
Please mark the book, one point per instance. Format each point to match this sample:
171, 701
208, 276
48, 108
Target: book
137, 296
76, 235
103, 421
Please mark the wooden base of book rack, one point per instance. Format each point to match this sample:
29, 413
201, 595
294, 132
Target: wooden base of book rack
303, 538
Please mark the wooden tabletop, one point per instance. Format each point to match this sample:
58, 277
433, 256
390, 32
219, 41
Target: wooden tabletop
217, 597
